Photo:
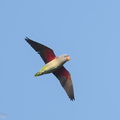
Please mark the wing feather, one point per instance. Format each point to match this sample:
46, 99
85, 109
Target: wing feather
46, 53
64, 77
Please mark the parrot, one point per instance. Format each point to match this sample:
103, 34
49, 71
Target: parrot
54, 65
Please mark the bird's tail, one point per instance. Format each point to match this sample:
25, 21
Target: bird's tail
39, 74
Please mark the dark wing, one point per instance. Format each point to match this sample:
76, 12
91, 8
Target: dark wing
65, 79
46, 53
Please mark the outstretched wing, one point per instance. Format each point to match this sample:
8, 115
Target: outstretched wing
46, 53
65, 79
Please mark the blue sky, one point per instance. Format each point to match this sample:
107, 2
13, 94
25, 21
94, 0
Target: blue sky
89, 31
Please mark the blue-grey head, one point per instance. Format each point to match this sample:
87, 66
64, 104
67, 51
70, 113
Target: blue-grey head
64, 58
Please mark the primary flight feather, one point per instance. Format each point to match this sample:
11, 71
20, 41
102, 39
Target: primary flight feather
54, 65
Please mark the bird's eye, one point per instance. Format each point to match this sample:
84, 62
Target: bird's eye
66, 56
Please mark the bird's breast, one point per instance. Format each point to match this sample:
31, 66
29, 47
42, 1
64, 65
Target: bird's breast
53, 65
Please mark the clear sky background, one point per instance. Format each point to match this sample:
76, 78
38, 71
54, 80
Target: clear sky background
87, 30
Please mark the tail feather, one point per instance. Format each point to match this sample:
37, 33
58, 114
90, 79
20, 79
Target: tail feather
39, 74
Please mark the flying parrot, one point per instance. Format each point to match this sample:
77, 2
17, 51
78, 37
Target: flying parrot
54, 65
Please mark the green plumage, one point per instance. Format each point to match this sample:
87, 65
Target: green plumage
49, 67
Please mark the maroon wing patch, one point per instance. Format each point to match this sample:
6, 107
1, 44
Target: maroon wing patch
65, 79
46, 53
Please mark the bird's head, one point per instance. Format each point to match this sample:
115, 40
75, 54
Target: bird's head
64, 58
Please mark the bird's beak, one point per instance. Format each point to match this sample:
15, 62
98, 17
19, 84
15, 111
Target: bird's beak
68, 58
